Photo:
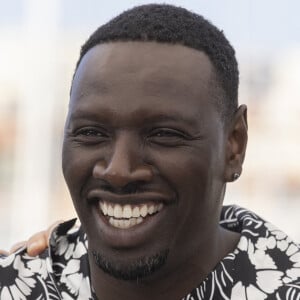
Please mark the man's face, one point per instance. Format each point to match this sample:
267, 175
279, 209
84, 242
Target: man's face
143, 155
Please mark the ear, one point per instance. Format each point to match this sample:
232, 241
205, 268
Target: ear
237, 136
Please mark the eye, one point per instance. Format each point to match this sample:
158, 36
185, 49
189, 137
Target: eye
166, 133
89, 132
90, 135
167, 136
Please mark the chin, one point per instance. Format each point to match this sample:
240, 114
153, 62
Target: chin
131, 270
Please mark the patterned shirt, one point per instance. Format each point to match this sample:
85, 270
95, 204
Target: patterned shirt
264, 265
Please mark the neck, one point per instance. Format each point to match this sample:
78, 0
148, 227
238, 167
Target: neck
168, 283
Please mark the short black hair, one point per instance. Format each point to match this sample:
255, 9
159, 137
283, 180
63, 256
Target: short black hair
165, 23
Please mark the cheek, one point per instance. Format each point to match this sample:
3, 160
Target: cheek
194, 174
191, 176
186, 169
77, 167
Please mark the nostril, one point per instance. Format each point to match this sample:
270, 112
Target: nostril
131, 188
121, 177
108, 187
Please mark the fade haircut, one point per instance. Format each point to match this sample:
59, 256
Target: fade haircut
165, 23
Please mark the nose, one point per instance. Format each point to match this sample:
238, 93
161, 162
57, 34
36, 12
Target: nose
125, 164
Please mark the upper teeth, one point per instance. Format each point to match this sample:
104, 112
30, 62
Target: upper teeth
129, 211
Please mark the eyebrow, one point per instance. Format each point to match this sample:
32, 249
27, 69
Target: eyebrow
106, 115
170, 117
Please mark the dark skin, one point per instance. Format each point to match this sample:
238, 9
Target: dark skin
144, 113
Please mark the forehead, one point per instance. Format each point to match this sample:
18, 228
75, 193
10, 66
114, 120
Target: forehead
160, 76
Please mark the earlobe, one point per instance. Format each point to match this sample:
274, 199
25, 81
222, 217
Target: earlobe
236, 144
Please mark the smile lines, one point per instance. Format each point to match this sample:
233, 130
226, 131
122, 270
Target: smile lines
126, 216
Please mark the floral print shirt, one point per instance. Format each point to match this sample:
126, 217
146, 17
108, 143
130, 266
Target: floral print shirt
264, 265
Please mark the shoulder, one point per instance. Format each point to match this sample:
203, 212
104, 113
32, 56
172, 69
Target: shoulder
45, 276
68, 250
25, 277
266, 262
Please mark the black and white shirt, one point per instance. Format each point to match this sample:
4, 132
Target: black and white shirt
264, 265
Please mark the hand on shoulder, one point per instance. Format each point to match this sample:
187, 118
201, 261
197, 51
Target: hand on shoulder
36, 244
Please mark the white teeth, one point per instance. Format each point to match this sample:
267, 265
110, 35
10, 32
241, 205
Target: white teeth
102, 206
127, 212
110, 211
126, 216
104, 209
136, 212
151, 209
117, 211
144, 210
124, 224
132, 221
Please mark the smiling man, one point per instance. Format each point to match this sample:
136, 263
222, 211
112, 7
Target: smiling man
153, 135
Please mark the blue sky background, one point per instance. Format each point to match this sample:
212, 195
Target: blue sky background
249, 24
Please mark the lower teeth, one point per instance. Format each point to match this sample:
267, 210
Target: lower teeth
125, 223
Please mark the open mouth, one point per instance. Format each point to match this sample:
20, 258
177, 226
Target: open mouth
136, 214
128, 215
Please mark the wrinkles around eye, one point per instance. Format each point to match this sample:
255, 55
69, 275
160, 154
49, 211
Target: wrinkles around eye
89, 135
168, 133
90, 132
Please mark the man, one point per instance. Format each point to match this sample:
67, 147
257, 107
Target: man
153, 134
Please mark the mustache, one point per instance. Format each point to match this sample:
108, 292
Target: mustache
130, 188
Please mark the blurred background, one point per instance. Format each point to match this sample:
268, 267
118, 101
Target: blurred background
39, 46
